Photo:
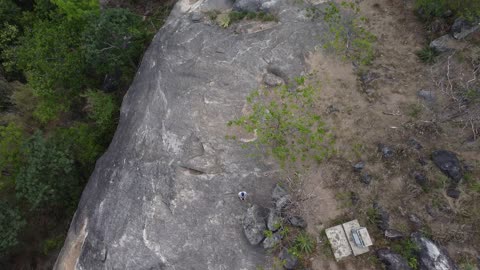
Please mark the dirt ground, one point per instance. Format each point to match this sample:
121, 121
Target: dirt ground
385, 108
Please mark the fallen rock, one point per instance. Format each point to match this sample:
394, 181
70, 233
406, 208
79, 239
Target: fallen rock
278, 192
387, 152
254, 225
274, 221
416, 221
414, 143
290, 260
420, 178
448, 163
444, 43
366, 178
392, 234
432, 256
454, 193
359, 166
297, 221
461, 28
272, 241
427, 95
272, 80
382, 217
392, 260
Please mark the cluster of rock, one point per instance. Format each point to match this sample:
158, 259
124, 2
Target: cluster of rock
265, 225
460, 29
430, 256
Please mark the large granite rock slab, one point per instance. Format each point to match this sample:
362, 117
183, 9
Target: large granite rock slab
164, 195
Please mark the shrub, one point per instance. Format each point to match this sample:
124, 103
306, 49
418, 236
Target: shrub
11, 224
429, 9
287, 122
427, 55
407, 249
101, 108
11, 140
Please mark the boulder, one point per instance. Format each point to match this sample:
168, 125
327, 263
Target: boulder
297, 221
392, 234
248, 5
278, 192
431, 256
444, 43
272, 80
290, 260
272, 241
387, 152
274, 221
420, 178
254, 225
427, 95
415, 221
461, 28
366, 178
452, 192
382, 217
392, 260
448, 163
359, 166
283, 203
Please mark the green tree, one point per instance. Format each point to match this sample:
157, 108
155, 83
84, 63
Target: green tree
11, 140
48, 177
102, 109
114, 40
11, 224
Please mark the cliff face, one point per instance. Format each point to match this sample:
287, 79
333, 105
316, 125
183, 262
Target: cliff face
164, 194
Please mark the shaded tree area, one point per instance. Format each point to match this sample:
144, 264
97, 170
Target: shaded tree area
65, 66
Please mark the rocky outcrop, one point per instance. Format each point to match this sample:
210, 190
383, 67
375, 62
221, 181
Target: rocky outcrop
164, 195
392, 260
448, 163
432, 256
254, 225
462, 28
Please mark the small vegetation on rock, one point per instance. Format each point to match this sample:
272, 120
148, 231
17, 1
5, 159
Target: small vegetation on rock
287, 121
227, 19
407, 249
427, 55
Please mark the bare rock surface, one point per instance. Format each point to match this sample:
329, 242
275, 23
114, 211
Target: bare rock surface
163, 196
431, 256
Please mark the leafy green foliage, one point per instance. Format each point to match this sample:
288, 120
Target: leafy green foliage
11, 140
47, 177
114, 40
101, 108
427, 55
287, 122
78, 9
346, 35
11, 224
304, 244
407, 249
429, 9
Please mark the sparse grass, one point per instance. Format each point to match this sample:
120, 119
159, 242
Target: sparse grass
407, 249
414, 110
304, 244
268, 233
427, 55
288, 123
227, 19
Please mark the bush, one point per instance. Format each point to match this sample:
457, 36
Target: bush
11, 141
429, 9
101, 108
407, 249
287, 122
11, 224
427, 55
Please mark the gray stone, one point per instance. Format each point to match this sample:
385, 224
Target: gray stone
392, 234
427, 95
254, 225
274, 221
461, 28
382, 217
432, 256
197, 17
448, 163
420, 178
387, 151
278, 192
392, 260
416, 221
297, 221
290, 260
248, 5
414, 143
283, 203
272, 241
272, 80
444, 43
149, 211
359, 166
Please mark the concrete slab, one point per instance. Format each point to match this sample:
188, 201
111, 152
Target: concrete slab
348, 226
338, 241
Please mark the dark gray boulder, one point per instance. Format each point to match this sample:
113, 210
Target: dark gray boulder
461, 28
444, 43
274, 221
297, 221
420, 178
289, 260
272, 80
359, 166
254, 224
452, 192
392, 260
431, 256
160, 198
427, 95
272, 240
366, 178
387, 151
448, 163
248, 5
